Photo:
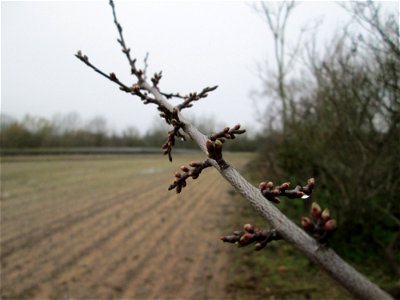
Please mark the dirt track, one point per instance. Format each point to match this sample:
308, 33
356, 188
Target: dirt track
108, 228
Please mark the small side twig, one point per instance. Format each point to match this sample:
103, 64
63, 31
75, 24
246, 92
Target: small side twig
156, 79
272, 193
250, 235
171, 119
194, 97
180, 178
85, 59
125, 49
228, 133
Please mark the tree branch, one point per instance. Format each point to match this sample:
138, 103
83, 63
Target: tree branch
325, 257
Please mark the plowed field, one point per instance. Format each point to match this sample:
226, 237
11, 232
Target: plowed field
104, 227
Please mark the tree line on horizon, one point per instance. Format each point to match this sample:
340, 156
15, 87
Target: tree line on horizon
69, 130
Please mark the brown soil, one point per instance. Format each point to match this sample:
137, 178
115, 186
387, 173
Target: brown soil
108, 228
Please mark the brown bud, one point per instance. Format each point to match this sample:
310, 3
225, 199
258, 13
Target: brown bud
236, 127
276, 192
270, 185
136, 88
249, 228
246, 239
113, 76
330, 225
325, 215
284, 186
210, 146
260, 245
307, 224
315, 210
230, 239
185, 169
262, 185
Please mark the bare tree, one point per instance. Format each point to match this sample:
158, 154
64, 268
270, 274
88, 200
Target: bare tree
261, 198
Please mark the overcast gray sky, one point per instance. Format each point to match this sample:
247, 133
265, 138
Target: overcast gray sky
195, 43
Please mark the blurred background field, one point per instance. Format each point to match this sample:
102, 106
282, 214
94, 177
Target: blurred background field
105, 226
100, 226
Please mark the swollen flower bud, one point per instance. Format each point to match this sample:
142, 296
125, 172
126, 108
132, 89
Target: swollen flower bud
246, 239
249, 228
185, 169
230, 239
236, 127
284, 186
330, 225
210, 146
260, 245
307, 224
262, 185
315, 210
325, 215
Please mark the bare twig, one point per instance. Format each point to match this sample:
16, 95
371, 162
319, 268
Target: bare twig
271, 193
228, 133
85, 59
250, 235
172, 119
195, 97
194, 172
125, 49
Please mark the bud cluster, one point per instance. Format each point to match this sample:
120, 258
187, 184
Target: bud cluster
214, 150
227, 133
180, 178
272, 193
156, 79
171, 119
250, 235
188, 99
321, 225
215, 142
